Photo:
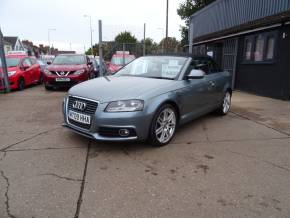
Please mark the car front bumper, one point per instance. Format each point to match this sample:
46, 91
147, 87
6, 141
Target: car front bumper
138, 123
50, 80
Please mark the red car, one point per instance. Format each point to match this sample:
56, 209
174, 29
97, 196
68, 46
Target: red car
118, 60
67, 70
22, 71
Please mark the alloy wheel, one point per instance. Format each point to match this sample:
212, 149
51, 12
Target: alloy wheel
227, 103
165, 125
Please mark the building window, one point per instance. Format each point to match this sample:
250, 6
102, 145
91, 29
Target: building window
248, 51
270, 48
260, 47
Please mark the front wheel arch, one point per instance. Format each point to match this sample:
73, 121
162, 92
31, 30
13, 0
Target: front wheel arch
173, 104
21, 78
151, 135
230, 91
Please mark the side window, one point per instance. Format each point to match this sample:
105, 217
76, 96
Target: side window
199, 63
33, 61
213, 67
208, 65
192, 66
27, 62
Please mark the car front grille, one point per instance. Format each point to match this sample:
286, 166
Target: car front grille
81, 125
62, 84
62, 73
90, 109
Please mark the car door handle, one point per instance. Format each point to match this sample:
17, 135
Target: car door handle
211, 83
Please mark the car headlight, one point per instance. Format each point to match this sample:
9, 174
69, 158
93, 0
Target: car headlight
125, 106
47, 72
11, 73
78, 72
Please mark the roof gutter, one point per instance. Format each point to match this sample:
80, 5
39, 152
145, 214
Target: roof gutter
238, 34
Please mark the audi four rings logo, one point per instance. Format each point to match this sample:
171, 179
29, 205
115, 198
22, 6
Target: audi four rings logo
79, 105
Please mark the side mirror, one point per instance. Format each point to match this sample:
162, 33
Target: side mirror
195, 74
48, 62
25, 66
203, 67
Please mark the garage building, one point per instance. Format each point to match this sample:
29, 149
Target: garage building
250, 39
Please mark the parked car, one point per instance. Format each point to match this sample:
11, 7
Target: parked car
104, 65
67, 70
96, 67
43, 66
119, 60
1, 79
22, 71
46, 58
148, 99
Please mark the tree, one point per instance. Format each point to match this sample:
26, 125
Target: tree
125, 37
185, 10
109, 49
95, 50
150, 46
169, 45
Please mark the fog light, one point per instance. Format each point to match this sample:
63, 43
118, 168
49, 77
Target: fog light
124, 132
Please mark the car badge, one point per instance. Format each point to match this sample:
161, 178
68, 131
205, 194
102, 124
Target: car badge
79, 105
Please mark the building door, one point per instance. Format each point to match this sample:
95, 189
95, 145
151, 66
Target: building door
229, 60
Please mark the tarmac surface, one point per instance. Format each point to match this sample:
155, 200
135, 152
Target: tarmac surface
232, 166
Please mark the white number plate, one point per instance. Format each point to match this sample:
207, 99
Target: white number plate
81, 118
62, 79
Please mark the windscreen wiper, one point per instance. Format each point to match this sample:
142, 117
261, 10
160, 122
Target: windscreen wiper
160, 77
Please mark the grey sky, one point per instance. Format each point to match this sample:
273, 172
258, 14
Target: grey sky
30, 19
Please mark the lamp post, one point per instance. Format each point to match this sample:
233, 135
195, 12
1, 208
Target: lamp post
167, 6
91, 31
48, 36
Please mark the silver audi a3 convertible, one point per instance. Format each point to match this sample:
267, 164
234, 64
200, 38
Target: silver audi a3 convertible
148, 99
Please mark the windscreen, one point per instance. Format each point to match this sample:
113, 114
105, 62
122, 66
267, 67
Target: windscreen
11, 62
69, 59
162, 67
119, 60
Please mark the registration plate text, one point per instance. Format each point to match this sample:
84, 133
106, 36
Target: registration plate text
78, 117
62, 79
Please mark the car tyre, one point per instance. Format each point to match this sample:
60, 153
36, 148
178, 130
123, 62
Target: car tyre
225, 105
92, 76
48, 88
40, 81
163, 126
21, 84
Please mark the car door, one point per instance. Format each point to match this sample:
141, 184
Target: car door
214, 83
35, 70
27, 72
193, 96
